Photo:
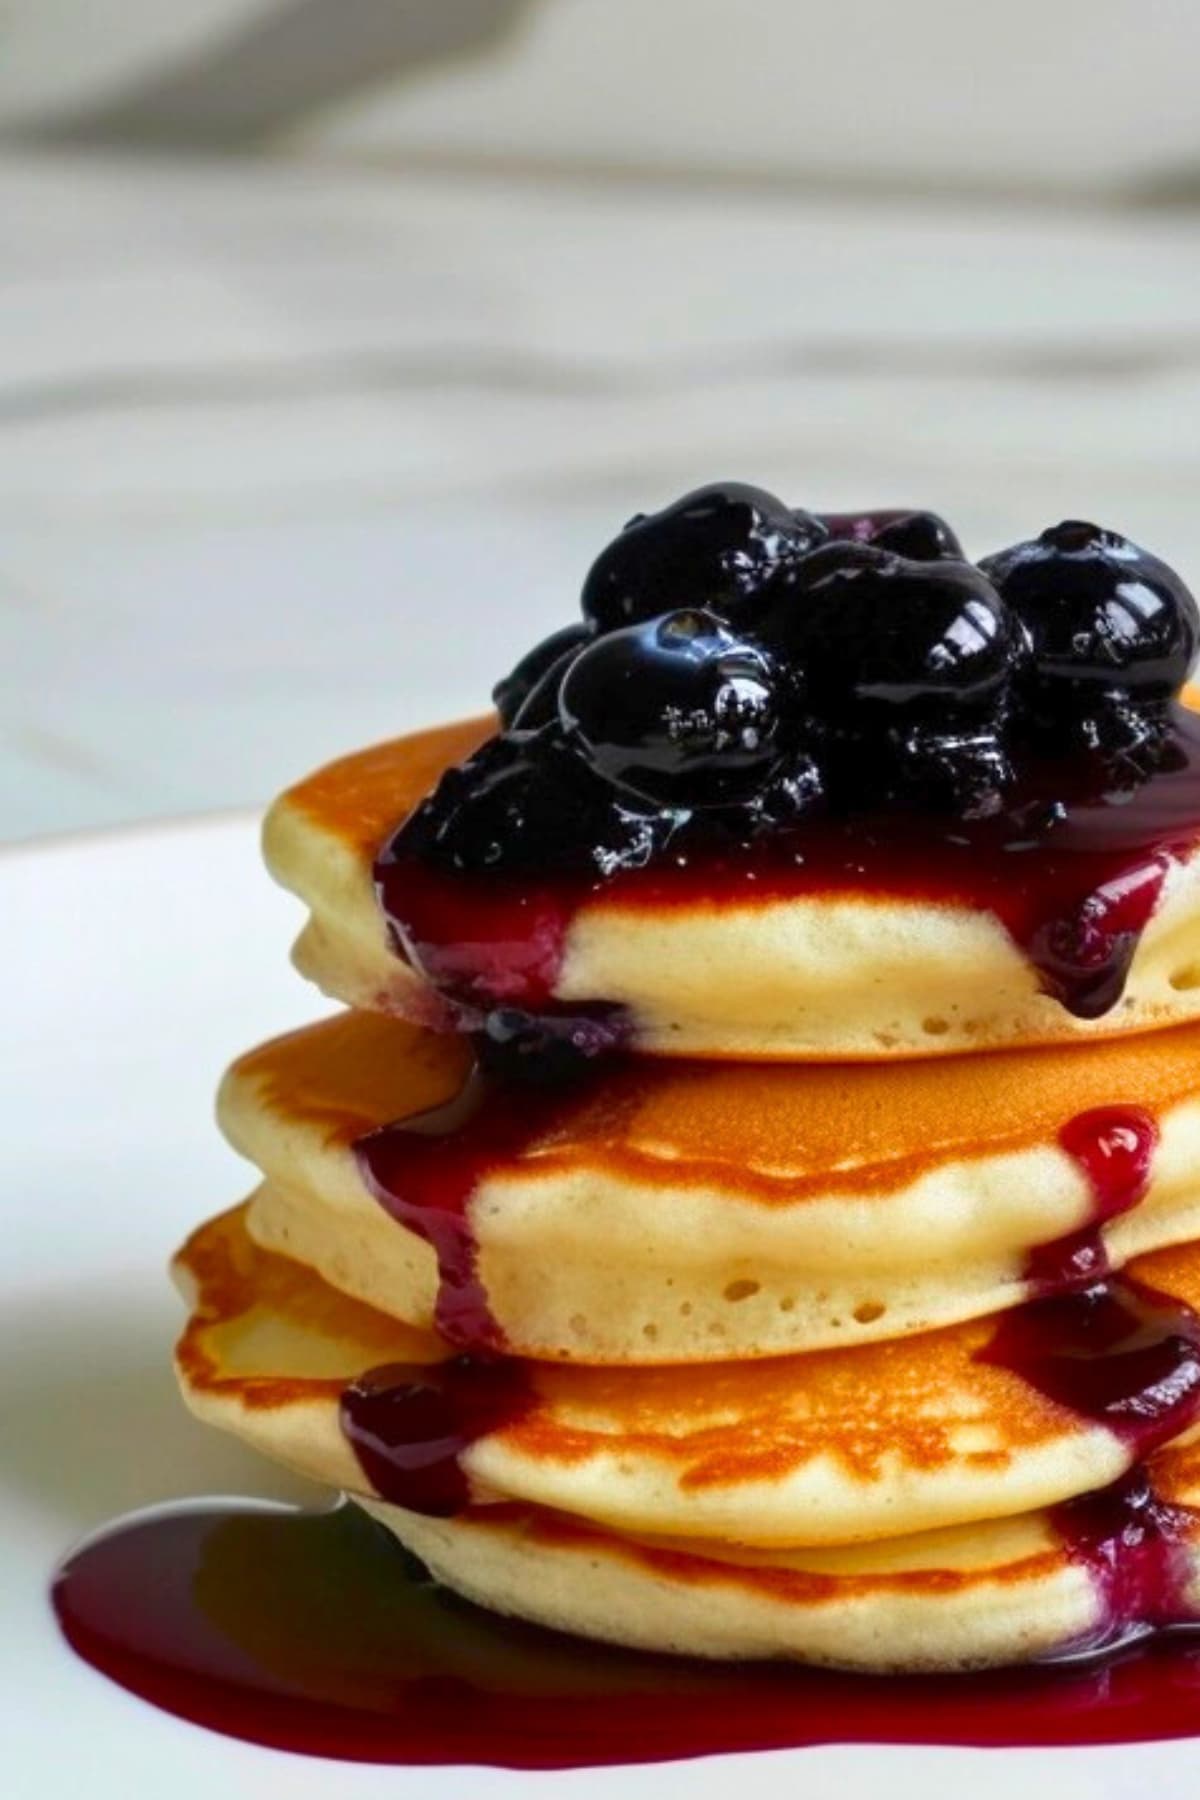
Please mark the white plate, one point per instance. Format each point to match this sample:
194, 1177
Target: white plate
136, 966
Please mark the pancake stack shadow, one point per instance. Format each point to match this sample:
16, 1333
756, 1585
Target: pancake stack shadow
885, 1365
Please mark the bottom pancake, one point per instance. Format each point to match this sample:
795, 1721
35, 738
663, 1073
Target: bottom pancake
1012, 1591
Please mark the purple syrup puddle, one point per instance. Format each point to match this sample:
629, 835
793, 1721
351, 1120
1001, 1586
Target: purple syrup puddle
1073, 868
409, 1425
315, 1633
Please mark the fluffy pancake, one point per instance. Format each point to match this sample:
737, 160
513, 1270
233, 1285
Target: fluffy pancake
832, 1448
704, 1212
835, 975
995, 1592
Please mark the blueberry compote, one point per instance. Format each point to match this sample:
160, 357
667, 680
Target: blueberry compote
759, 701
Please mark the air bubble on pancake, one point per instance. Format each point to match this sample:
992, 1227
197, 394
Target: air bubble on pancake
741, 1290
935, 1027
867, 1311
1184, 980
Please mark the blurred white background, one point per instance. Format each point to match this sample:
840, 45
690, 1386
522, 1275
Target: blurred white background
336, 335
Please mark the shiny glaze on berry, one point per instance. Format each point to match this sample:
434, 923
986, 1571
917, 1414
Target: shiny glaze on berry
712, 549
518, 691
875, 632
923, 536
676, 709
1102, 616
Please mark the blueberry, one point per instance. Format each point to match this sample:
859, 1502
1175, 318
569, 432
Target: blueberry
1102, 616
523, 804
944, 771
676, 709
510, 695
921, 536
713, 549
876, 633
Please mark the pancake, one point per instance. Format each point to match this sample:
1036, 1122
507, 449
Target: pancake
833, 1448
827, 972
996, 1592
698, 1212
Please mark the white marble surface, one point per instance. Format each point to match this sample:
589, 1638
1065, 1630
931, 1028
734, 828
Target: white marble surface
293, 458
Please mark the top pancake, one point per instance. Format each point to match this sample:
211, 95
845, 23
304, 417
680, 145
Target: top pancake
843, 974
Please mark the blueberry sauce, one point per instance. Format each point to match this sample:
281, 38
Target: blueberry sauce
1073, 883
759, 701
1118, 1355
409, 1424
424, 1171
315, 1633
1114, 1148
1134, 1546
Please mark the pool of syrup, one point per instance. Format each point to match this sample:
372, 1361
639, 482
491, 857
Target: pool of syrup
316, 1633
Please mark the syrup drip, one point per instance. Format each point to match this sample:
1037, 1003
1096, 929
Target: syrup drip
424, 1172
1114, 1147
1134, 1546
315, 1633
1074, 883
483, 944
409, 1425
1117, 1354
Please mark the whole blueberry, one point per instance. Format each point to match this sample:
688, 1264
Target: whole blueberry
677, 709
921, 536
712, 549
876, 634
511, 694
525, 804
1101, 614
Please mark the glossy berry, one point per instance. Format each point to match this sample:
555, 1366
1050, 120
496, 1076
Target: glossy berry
511, 694
921, 536
712, 549
939, 771
676, 709
875, 634
1101, 614
527, 805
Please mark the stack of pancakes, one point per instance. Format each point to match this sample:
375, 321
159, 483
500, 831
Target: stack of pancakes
743, 1346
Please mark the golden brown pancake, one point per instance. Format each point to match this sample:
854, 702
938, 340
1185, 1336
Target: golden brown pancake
268, 1350
994, 1592
831, 1448
840, 975
705, 1211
